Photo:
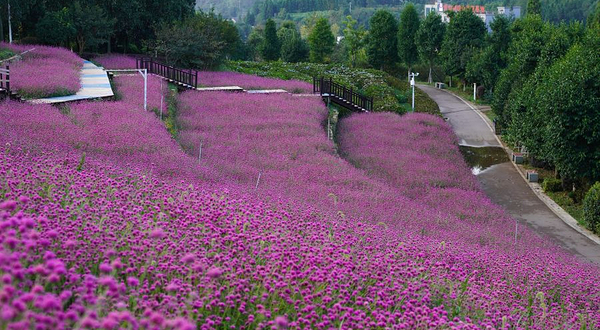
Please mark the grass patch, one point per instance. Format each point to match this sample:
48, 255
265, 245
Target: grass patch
6, 53
170, 117
37, 94
562, 198
389, 93
574, 209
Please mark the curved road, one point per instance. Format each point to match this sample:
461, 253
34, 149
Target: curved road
503, 183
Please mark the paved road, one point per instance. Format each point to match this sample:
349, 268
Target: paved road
468, 126
505, 186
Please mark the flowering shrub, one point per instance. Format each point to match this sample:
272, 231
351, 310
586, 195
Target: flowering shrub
116, 61
216, 78
45, 71
319, 244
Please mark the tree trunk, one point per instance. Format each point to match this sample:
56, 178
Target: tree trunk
430, 79
80, 43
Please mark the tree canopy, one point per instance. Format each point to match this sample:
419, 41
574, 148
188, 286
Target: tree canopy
321, 41
382, 45
407, 32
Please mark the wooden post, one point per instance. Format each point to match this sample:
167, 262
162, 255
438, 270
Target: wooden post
8, 79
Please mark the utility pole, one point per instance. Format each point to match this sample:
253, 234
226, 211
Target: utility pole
9, 25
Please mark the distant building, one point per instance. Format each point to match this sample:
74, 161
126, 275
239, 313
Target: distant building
487, 17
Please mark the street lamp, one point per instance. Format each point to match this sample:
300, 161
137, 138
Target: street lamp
412, 76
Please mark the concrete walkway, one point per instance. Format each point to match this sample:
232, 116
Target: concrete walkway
94, 85
503, 182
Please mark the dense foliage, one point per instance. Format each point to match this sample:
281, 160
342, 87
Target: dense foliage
321, 41
389, 93
465, 34
382, 44
121, 25
407, 34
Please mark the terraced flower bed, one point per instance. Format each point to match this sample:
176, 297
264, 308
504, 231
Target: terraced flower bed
267, 228
45, 71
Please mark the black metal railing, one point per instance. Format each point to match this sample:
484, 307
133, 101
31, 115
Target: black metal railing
187, 78
341, 95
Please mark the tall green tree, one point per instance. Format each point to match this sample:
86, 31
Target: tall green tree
199, 41
256, 38
382, 45
56, 28
568, 97
485, 66
529, 35
407, 32
464, 37
91, 24
429, 40
293, 48
271, 48
534, 7
321, 41
354, 38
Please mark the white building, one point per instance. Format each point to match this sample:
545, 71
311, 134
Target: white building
487, 17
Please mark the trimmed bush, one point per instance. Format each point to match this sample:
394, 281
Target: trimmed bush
552, 185
591, 208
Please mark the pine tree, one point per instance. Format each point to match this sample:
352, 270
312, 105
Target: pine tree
407, 31
321, 41
271, 47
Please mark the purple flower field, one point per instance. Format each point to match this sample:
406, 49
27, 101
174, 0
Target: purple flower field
140, 233
246, 81
116, 61
45, 71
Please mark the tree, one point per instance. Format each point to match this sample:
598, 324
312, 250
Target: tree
407, 32
271, 48
429, 39
464, 37
321, 41
529, 36
593, 20
534, 7
293, 48
568, 97
200, 41
382, 45
56, 28
92, 25
354, 39
254, 43
485, 66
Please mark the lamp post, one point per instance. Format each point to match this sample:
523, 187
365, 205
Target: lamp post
412, 76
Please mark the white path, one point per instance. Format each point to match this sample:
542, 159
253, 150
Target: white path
94, 85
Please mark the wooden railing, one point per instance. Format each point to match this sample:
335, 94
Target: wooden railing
187, 78
5, 79
341, 95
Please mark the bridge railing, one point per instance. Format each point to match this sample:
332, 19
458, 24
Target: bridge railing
188, 78
344, 96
